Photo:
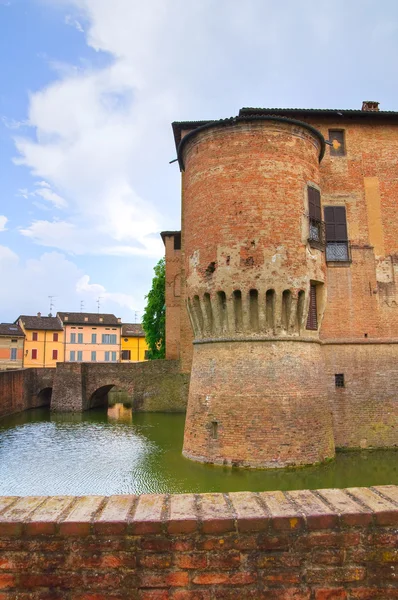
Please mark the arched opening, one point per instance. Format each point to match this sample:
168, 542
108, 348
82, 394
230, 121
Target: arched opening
44, 397
100, 396
110, 395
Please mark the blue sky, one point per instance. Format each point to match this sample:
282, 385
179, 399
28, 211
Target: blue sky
88, 90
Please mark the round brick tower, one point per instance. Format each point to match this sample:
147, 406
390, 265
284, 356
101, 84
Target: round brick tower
253, 284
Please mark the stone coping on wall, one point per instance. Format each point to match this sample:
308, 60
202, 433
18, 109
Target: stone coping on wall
327, 544
203, 513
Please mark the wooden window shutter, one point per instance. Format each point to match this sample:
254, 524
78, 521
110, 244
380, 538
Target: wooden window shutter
312, 320
336, 224
314, 204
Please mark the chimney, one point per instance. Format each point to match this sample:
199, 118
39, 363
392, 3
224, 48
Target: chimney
39, 314
370, 105
119, 320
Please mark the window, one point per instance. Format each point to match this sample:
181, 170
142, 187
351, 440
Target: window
214, 430
316, 230
93, 356
34, 354
55, 354
312, 320
14, 341
73, 338
13, 354
34, 336
55, 337
126, 339
79, 338
109, 338
79, 356
107, 356
126, 354
93, 338
339, 380
72, 356
113, 356
336, 136
337, 248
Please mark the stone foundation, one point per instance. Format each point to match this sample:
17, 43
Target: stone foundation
259, 403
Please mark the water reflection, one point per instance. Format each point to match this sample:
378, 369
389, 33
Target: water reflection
116, 451
119, 413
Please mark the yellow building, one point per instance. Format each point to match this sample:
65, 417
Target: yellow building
11, 346
134, 346
44, 340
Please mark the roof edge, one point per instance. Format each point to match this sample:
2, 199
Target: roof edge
246, 119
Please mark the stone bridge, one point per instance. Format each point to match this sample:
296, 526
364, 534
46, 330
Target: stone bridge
75, 387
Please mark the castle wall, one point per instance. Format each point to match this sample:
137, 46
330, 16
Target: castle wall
365, 410
363, 295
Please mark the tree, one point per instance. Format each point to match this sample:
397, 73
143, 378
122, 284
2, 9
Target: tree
154, 319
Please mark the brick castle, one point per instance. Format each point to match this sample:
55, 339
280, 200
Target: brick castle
281, 287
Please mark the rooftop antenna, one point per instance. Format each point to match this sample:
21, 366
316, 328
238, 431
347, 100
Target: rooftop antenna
52, 305
99, 303
81, 305
135, 316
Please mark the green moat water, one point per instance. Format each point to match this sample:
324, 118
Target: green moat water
115, 452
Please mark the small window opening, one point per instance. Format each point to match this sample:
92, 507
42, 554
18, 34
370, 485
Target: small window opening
269, 308
253, 302
177, 241
365, 335
210, 269
237, 296
286, 308
336, 137
227, 260
214, 430
339, 380
222, 308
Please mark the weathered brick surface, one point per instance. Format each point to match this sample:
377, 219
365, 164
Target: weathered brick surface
20, 389
258, 424
234, 546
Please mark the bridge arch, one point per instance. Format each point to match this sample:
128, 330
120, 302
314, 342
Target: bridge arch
44, 397
100, 396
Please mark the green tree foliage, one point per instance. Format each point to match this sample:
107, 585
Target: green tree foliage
154, 319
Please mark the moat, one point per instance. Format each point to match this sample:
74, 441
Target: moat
112, 451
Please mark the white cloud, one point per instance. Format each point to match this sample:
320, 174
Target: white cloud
80, 239
44, 191
52, 197
7, 257
96, 291
31, 282
69, 20
42, 184
3, 222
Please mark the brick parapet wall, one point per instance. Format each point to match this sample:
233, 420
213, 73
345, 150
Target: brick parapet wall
20, 389
301, 545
